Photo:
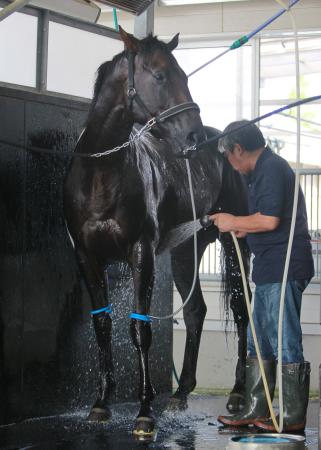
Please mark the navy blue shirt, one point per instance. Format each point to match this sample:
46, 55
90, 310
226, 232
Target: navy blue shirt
271, 192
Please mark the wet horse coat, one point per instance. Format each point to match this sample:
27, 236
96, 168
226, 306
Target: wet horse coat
120, 207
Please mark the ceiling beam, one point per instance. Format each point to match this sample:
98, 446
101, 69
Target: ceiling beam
133, 6
12, 8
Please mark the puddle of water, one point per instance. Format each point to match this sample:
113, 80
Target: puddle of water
193, 429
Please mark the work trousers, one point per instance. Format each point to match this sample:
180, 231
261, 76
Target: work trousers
266, 318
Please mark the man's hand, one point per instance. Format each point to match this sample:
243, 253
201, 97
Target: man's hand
240, 234
224, 221
254, 223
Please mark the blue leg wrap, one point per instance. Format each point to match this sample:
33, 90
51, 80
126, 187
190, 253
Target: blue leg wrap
143, 317
106, 309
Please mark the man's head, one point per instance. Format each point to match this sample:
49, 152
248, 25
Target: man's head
242, 147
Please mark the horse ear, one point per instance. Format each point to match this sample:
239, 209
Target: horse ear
173, 43
131, 43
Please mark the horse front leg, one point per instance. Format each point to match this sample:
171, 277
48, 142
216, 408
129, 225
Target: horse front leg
97, 286
194, 315
143, 261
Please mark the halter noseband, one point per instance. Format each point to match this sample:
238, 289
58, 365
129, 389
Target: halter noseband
132, 95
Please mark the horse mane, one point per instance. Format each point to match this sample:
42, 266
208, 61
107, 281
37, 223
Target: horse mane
149, 143
152, 43
103, 71
231, 274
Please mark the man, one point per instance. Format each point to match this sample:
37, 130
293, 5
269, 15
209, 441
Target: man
271, 184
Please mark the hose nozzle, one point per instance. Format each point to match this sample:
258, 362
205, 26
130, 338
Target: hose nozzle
206, 222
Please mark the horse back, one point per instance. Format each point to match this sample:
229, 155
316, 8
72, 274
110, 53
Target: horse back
233, 192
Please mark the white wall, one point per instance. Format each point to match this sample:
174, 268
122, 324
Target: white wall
217, 359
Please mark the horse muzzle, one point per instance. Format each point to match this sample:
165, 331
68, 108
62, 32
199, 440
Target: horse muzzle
188, 144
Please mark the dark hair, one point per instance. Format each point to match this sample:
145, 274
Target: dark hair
249, 137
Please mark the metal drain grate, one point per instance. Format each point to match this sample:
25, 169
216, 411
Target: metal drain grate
133, 6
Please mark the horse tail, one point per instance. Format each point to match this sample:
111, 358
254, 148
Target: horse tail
233, 200
232, 285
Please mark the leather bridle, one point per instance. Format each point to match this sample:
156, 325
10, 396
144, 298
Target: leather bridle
133, 95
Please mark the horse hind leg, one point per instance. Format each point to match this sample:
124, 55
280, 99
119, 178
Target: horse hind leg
97, 286
235, 291
236, 400
194, 314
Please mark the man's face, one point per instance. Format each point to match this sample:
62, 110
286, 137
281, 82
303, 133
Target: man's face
238, 159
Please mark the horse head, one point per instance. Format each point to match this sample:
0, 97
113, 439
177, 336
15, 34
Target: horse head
156, 86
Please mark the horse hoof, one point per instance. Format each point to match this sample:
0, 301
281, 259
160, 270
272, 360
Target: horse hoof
144, 428
176, 404
99, 415
235, 403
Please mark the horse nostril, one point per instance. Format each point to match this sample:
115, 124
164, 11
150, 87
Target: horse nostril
193, 138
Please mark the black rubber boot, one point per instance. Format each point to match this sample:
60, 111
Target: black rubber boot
256, 407
296, 384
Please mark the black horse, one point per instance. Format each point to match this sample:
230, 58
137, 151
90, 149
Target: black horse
120, 207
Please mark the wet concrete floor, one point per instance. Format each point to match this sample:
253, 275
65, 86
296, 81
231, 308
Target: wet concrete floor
194, 429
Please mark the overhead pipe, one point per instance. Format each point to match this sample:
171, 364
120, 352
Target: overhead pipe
244, 39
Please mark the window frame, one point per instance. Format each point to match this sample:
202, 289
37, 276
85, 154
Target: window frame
44, 18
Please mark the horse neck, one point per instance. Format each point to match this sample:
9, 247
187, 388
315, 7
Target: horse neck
108, 132
109, 121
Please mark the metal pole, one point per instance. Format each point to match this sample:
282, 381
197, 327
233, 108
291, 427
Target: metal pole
42, 50
13, 7
144, 23
255, 106
319, 440
239, 85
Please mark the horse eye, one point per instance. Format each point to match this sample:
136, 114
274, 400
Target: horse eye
159, 76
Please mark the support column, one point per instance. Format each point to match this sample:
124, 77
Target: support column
12, 8
144, 23
319, 443
42, 50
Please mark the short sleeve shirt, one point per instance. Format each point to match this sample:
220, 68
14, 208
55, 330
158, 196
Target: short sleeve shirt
271, 192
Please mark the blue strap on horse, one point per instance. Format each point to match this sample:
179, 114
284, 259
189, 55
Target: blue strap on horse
107, 309
142, 317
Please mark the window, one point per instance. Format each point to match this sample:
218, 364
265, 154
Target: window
73, 58
224, 92
277, 87
18, 50
223, 88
